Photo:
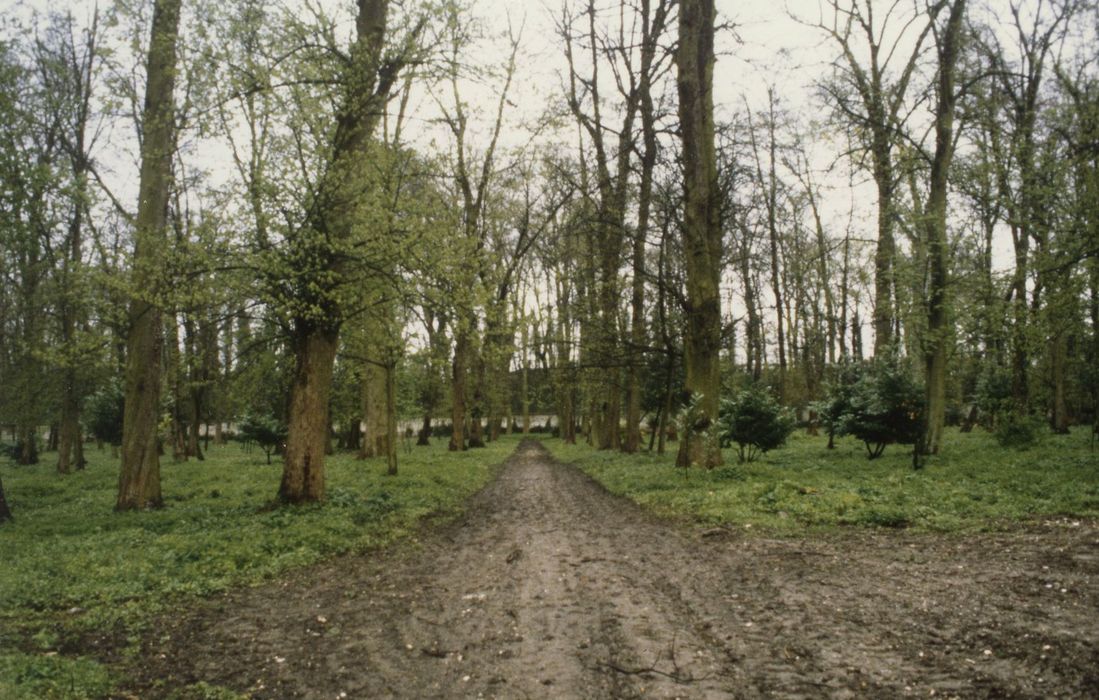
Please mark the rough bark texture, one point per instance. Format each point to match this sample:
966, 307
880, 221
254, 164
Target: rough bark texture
939, 328
701, 226
366, 86
374, 443
307, 428
139, 479
886, 249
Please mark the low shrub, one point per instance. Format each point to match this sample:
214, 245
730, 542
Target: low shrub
1019, 432
755, 422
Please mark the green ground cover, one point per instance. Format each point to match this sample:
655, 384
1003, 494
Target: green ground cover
975, 484
70, 566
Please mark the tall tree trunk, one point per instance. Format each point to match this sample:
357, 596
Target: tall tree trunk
139, 477
885, 252
1020, 353
391, 415
476, 413
5, 512
366, 84
770, 183
1059, 421
374, 408
27, 442
525, 378
651, 31
701, 228
69, 455
637, 336
939, 326
307, 428
460, 371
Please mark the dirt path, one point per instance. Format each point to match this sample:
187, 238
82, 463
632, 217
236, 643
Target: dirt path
550, 587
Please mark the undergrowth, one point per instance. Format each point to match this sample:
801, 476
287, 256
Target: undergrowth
974, 485
72, 568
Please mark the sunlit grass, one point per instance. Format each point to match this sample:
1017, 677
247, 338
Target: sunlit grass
974, 485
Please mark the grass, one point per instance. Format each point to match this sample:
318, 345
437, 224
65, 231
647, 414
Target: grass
71, 566
974, 485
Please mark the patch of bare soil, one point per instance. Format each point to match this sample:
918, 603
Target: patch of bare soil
551, 587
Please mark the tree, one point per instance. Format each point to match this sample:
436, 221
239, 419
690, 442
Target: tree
867, 96
320, 249
265, 431
755, 422
885, 407
104, 414
607, 201
139, 480
5, 512
939, 325
1026, 192
653, 26
702, 230
67, 67
472, 286
837, 400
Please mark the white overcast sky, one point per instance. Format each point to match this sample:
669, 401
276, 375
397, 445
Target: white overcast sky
767, 47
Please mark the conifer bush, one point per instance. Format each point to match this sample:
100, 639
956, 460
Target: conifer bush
885, 406
755, 422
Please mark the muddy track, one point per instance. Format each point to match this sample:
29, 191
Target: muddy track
550, 587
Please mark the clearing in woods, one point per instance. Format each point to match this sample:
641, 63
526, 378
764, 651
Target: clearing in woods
551, 587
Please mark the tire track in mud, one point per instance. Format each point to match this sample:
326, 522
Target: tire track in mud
550, 587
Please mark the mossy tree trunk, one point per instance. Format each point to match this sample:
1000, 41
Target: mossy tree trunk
702, 231
139, 478
367, 83
939, 326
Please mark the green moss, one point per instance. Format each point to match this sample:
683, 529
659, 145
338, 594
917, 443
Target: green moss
72, 565
974, 485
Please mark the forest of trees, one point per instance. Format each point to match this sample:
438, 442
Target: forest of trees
307, 217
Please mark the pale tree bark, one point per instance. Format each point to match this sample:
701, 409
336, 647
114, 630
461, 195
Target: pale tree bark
524, 340
823, 255
139, 478
375, 428
702, 232
391, 413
